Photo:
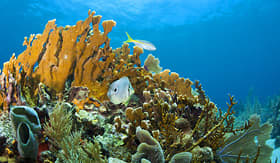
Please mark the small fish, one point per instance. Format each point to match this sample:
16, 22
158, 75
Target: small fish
120, 91
141, 43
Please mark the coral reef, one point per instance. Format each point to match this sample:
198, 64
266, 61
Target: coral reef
172, 126
61, 81
59, 54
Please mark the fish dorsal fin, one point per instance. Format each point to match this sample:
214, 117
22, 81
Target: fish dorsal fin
129, 39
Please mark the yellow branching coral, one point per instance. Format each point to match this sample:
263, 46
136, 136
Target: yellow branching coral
157, 115
215, 128
58, 50
9, 68
196, 126
172, 81
60, 53
135, 117
63, 52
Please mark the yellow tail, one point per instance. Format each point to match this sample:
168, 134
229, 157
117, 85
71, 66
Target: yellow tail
129, 39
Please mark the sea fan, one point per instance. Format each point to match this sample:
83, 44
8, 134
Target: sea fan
248, 145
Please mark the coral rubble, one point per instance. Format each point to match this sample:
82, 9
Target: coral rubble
61, 82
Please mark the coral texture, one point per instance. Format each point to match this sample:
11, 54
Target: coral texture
172, 81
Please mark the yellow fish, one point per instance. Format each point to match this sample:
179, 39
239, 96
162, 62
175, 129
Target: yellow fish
141, 43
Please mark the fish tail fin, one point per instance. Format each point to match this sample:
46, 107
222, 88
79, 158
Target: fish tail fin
129, 39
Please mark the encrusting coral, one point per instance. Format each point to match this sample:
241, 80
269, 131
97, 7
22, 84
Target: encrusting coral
64, 75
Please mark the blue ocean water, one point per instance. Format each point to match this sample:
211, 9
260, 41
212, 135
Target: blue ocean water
229, 46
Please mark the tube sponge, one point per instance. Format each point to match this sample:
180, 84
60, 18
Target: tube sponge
27, 115
149, 148
27, 144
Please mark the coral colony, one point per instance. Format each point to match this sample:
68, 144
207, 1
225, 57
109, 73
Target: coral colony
55, 106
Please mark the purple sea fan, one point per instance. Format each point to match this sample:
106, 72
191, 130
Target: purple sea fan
247, 144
